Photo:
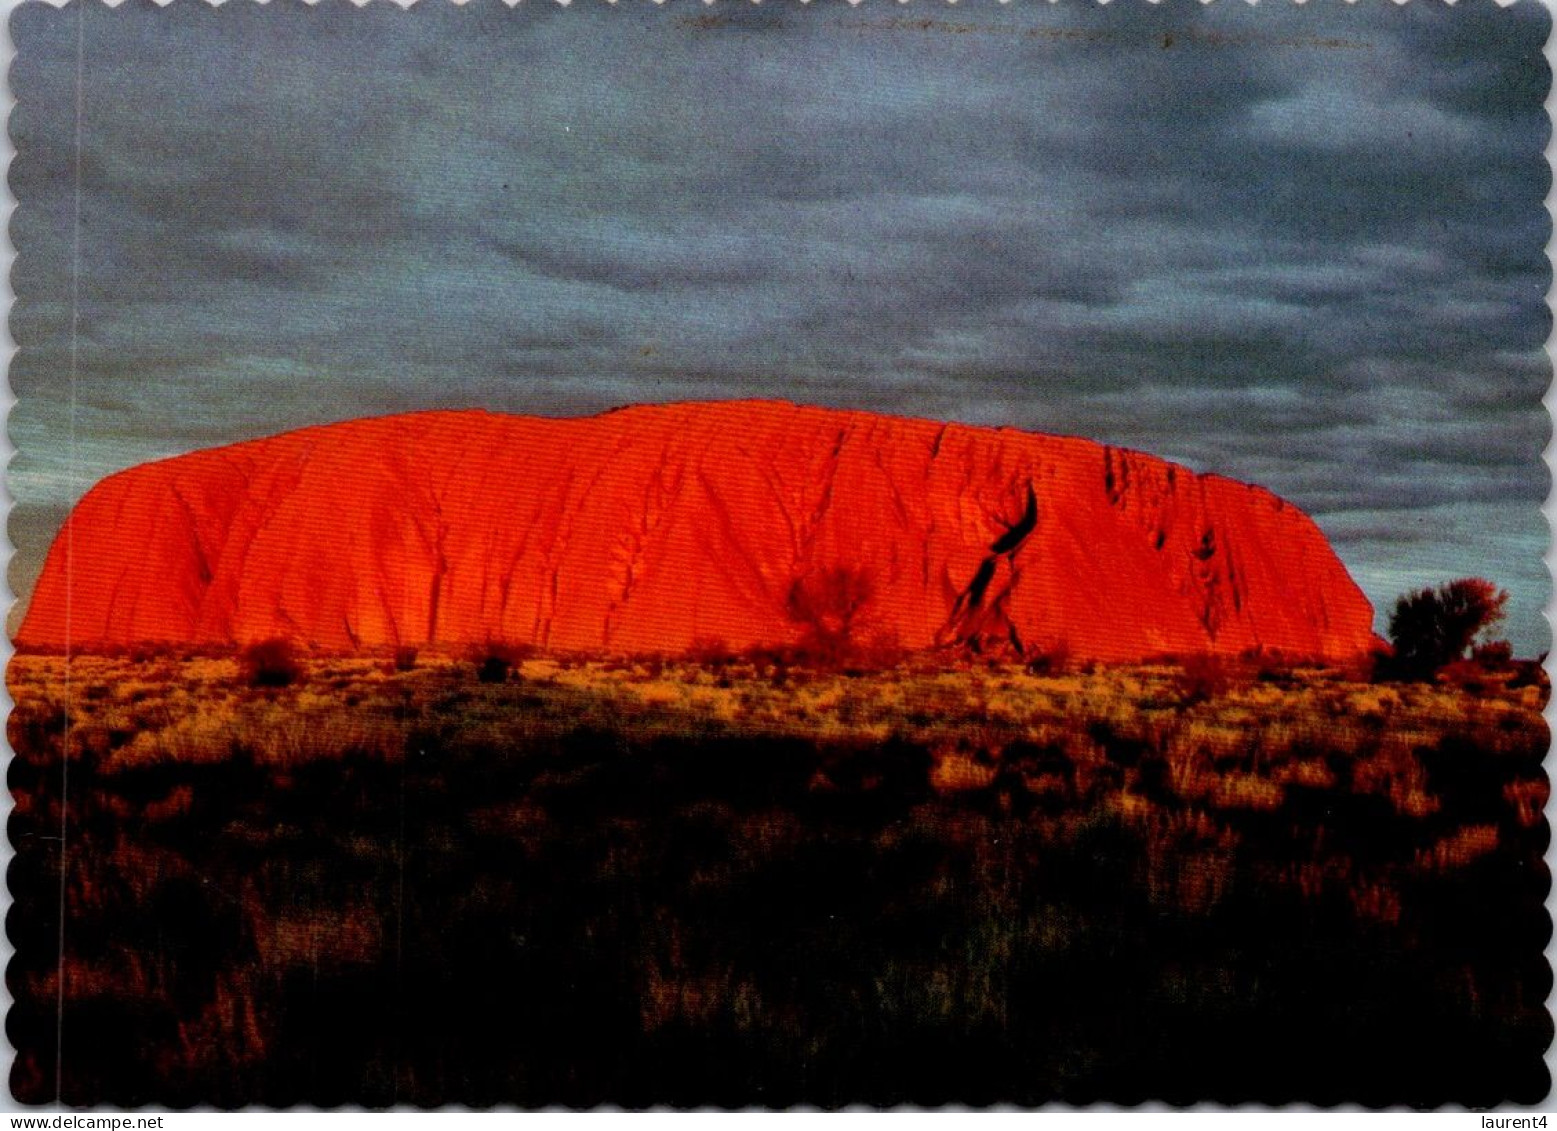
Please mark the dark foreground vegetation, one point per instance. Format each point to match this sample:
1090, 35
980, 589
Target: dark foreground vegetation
422, 880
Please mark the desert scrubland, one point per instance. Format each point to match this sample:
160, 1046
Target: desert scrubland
513, 877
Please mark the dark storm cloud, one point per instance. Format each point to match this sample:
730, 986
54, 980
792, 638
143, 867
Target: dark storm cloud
1297, 245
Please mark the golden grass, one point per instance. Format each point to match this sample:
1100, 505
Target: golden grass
956, 772
1244, 745
1461, 847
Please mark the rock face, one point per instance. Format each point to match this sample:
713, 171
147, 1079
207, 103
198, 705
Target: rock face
651, 528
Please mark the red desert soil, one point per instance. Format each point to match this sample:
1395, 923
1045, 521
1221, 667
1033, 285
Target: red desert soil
654, 527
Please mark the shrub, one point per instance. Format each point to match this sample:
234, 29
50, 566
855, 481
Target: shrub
405, 658
270, 663
1051, 658
1433, 627
1528, 673
1203, 676
495, 658
710, 652
1467, 675
1496, 654
881, 651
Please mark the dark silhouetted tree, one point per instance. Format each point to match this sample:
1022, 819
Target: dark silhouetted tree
1434, 627
830, 606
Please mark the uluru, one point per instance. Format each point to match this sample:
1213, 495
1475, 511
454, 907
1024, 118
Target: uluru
655, 528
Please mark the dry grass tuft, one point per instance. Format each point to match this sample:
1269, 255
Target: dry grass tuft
956, 771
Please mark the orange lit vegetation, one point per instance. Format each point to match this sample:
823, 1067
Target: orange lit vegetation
944, 850
1209, 736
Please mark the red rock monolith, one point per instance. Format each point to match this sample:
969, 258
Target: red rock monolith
652, 528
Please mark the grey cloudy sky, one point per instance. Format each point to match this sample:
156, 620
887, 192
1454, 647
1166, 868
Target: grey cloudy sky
1302, 246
